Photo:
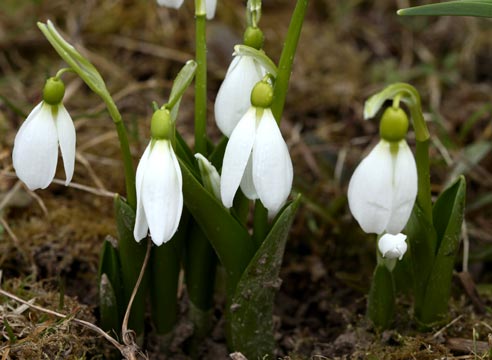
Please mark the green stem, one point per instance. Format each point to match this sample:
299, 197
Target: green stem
131, 194
423, 171
201, 86
287, 58
260, 223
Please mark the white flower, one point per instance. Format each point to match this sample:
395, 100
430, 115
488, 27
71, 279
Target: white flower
393, 246
35, 153
159, 193
210, 6
257, 158
233, 99
175, 4
383, 188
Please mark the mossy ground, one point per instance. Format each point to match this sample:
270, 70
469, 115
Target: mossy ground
349, 50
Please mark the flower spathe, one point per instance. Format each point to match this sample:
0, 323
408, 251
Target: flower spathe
159, 193
383, 188
35, 153
233, 99
258, 160
393, 246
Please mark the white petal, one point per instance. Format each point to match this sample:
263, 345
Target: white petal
210, 5
161, 192
272, 167
236, 156
247, 185
66, 137
370, 190
233, 98
393, 246
141, 227
404, 189
35, 151
175, 4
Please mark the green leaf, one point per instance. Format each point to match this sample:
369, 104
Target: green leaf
480, 8
250, 310
448, 218
108, 307
381, 301
110, 287
228, 237
132, 255
421, 248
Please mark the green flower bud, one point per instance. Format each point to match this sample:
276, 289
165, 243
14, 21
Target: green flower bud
53, 91
160, 125
253, 37
394, 124
262, 95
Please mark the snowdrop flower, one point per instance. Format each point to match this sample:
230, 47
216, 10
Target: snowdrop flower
159, 185
383, 188
175, 4
257, 157
233, 98
209, 10
393, 246
48, 126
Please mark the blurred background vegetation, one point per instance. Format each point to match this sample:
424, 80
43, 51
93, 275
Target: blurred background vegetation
50, 240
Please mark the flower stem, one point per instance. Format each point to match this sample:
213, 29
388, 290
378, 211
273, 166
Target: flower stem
260, 223
287, 58
131, 194
201, 86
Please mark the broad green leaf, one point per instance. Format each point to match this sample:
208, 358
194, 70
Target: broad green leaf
132, 255
110, 288
228, 237
421, 248
110, 318
250, 309
381, 301
480, 8
448, 218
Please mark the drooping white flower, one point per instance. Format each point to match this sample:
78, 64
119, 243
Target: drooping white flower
159, 184
383, 188
233, 98
159, 193
175, 4
35, 152
393, 246
258, 160
210, 6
